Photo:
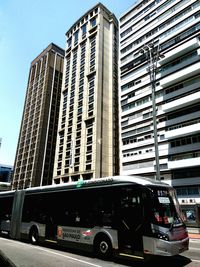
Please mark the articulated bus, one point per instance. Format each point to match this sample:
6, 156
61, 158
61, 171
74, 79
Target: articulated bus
115, 216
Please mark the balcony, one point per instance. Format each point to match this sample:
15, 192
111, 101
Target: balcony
180, 51
138, 171
183, 131
184, 163
181, 75
182, 102
179, 64
135, 168
144, 156
183, 182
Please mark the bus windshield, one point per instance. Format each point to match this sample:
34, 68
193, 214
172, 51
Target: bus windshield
166, 211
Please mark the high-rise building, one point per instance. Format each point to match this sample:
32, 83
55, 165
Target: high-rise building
147, 30
37, 139
87, 143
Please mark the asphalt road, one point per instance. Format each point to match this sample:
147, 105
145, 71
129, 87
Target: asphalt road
27, 255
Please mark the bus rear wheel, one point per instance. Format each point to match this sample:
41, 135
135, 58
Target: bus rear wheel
33, 235
103, 247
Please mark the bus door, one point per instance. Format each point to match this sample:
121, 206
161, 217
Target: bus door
51, 228
51, 210
131, 221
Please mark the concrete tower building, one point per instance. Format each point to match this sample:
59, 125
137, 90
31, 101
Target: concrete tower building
37, 139
148, 30
87, 143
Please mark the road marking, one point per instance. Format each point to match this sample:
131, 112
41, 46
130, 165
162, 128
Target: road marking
69, 257
195, 260
193, 248
194, 241
56, 253
132, 256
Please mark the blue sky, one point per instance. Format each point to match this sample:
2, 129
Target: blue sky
26, 28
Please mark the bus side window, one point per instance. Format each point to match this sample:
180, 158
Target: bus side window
26, 215
103, 208
6, 208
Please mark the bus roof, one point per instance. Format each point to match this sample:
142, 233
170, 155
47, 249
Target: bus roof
95, 182
98, 182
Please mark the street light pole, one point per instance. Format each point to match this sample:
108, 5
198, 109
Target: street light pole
152, 73
153, 56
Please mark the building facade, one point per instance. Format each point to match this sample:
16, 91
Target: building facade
147, 30
37, 139
87, 143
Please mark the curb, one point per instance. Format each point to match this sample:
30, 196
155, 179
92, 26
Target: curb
5, 261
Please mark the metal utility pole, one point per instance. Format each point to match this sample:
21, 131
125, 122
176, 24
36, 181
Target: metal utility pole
153, 55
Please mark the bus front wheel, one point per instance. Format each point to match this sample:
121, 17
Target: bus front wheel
33, 235
103, 247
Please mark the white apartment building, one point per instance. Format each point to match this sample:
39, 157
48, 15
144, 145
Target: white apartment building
87, 142
173, 28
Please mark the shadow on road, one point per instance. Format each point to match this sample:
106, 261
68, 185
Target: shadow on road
156, 261
174, 261
4, 261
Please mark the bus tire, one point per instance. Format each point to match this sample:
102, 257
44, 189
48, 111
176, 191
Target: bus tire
103, 247
33, 235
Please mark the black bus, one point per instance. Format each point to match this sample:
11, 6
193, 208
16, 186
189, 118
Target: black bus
123, 216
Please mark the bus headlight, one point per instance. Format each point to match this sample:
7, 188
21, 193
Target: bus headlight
163, 236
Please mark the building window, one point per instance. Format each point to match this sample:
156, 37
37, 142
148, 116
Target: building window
75, 178
69, 42
78, 142
77, 151
78, 134
84, 29
77, 160
90, 113
67, 163
186, 141
88, 167
91, 98
76, 168
89, 131
89, 140
88, 158
91, 106
79, 118
78, 126
67, 153
93, 22
89, 149
75, 37
186, 173
66, 179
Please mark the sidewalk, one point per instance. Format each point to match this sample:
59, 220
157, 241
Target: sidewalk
195, 236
